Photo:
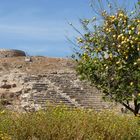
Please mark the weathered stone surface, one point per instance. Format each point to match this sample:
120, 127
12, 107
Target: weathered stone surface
45, 80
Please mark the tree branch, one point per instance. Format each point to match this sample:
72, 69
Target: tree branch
128, 107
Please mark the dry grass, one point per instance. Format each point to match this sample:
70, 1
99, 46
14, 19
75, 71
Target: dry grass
37, 65
61, 123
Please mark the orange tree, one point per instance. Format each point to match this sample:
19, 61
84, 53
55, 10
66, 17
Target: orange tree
109, 56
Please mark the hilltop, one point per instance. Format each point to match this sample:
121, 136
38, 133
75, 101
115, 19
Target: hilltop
36, 65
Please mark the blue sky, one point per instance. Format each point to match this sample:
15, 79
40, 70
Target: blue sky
40, 27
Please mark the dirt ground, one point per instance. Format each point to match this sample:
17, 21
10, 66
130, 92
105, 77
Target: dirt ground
36, 64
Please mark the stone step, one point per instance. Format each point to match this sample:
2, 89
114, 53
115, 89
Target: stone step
54, 105
49, 96
39, 87
55, 102
40, 84
69, 92
83, 95
33, 78
91, 106
87, 102
51, 92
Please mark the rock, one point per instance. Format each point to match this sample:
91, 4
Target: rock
19, 67
5, 86
5, 102
14, 85
28, 59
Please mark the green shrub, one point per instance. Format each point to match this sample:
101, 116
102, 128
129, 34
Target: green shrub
108, 53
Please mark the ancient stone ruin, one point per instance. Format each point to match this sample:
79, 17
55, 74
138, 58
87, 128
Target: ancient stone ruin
31, 85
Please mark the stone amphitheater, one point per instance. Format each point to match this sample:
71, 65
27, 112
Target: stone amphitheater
32, 83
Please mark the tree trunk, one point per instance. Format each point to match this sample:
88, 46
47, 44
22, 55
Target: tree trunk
137, 107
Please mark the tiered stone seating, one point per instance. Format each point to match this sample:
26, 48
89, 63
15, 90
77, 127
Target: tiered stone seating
85, 97
42, 92
63, 89
31, 78
40, 86
50, 97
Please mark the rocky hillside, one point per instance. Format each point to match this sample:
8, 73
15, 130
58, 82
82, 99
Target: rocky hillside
32, 83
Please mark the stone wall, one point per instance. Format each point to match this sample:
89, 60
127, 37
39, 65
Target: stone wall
11, 53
